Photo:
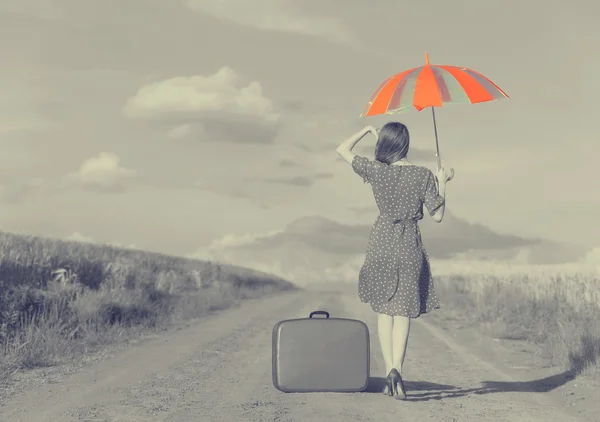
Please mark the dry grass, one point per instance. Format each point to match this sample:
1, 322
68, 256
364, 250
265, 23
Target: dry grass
62, 299
557, 307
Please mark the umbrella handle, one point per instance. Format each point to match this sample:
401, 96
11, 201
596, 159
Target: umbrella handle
451, 175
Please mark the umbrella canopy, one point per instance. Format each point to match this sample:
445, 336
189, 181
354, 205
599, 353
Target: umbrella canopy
431, 86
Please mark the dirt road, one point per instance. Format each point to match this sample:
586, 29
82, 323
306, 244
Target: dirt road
220, 369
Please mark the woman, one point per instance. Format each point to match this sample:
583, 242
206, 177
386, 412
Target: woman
395, 278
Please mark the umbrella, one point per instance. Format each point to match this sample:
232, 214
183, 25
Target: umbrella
431, 86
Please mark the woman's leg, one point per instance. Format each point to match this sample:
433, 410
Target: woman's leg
401, 329
385, 325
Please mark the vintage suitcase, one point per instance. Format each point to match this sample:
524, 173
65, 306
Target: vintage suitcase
321, 354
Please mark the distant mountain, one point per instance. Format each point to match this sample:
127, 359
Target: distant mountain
454, 236
317, 248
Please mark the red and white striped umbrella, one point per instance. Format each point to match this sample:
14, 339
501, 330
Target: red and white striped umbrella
431, 86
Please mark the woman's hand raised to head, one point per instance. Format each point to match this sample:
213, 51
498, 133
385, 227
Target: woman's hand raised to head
373, 130
345, 148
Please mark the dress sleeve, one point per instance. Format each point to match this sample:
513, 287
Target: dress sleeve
431, 197
363, 167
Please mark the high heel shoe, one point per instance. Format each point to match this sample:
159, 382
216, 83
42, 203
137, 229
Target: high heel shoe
388, 389
396, 378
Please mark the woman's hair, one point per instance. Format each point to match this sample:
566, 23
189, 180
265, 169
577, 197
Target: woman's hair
392, 144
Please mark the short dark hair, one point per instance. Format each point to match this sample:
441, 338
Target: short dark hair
392, 143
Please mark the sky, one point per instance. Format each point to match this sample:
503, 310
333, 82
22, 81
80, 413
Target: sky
171, 125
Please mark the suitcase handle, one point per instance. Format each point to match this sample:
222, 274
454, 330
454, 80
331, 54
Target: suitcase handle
319, 313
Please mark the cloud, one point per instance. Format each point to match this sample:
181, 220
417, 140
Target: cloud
230, 241
45, 9
221, 127
212, 108
310, 249
225, 128
304, 147
18, 124
275, 16
323, 175
293, 105
217, 92
287, 163
181, 131
246, 239
360, 211
78, 237
103, 173
593, 257
236, 191
300, 180
321, 234
122, 246
292, 181
13, 193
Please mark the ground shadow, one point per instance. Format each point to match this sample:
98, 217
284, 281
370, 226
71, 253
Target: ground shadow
542, 385
376, 385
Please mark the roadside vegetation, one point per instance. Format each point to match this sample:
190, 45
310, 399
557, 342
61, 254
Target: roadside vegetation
60, 300
556, 307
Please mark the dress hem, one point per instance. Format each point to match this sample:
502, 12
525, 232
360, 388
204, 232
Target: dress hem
407, 316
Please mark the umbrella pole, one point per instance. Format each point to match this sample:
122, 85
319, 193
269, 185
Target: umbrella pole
437, 145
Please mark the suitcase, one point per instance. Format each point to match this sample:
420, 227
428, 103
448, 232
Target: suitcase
321, 354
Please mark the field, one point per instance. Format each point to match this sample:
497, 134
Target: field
556, 307
59, 300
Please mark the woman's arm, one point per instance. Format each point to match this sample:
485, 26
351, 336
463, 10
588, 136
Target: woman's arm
438, 216
442, 177
345, 148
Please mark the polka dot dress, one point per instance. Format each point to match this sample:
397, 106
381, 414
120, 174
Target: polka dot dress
396, 277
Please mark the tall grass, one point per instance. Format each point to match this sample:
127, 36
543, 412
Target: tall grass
557, 307
61, 299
